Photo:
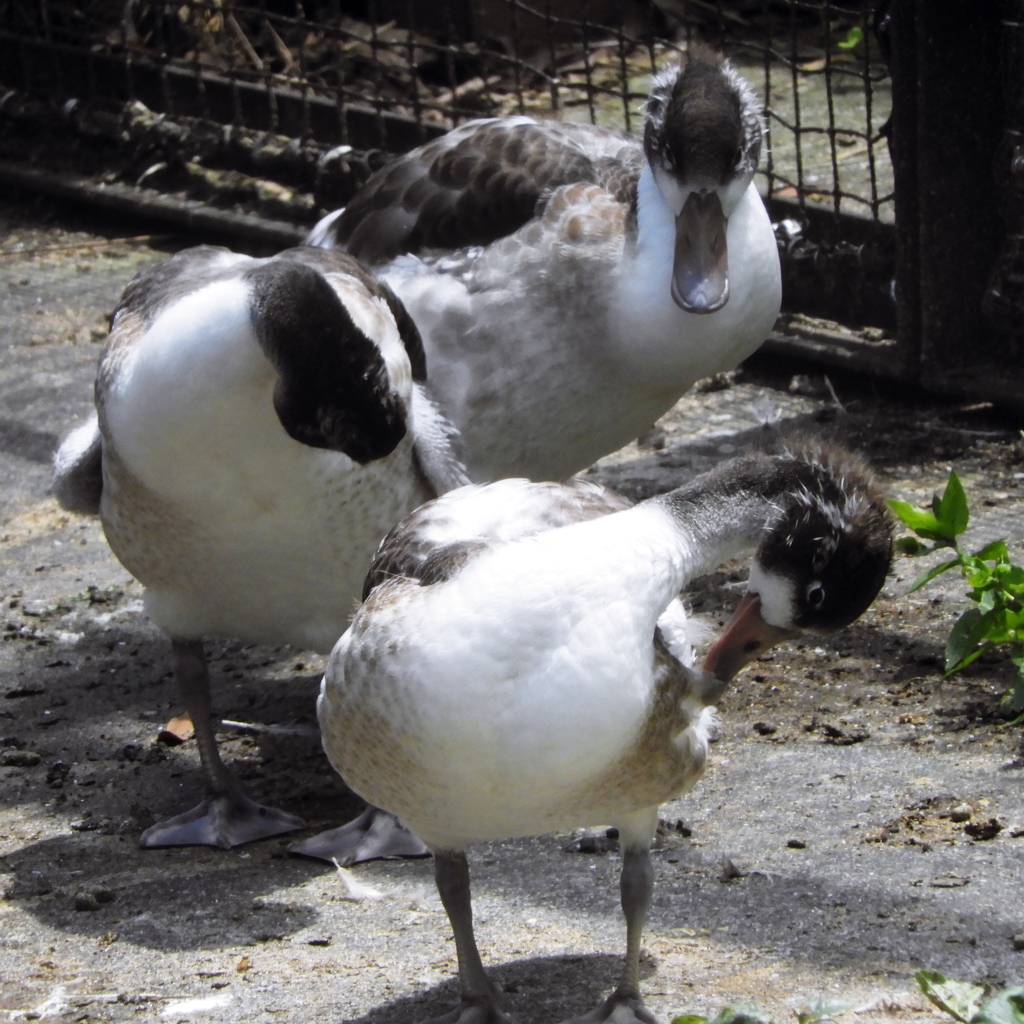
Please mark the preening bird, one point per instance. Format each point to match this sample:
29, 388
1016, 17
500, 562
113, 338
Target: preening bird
261, 424
520, 664
570, 282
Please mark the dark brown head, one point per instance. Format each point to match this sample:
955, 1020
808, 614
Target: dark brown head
324, 324
821, 561
702, 139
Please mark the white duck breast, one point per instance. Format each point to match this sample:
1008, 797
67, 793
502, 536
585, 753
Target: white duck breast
260, 426
542, 263
542, 633
227, 520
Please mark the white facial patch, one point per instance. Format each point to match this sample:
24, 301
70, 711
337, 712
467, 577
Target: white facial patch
731, 194
673, 191
676, 193
778, 600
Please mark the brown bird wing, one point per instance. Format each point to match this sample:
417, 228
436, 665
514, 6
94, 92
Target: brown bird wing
480, 183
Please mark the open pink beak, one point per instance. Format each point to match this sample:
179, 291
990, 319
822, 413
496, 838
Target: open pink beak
746, 636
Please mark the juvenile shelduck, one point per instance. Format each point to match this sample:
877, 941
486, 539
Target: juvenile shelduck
570, 282
260, 425
519, 664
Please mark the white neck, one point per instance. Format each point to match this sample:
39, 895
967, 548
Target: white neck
712, 531
726, 510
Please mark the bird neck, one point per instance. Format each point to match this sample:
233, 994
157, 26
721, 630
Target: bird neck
725, 511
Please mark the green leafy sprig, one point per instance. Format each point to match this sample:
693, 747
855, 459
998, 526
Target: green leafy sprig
967, 1003
853, 38
995, 585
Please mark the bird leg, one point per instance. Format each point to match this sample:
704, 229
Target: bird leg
375, 833
481, 1002
636, 884
227, 817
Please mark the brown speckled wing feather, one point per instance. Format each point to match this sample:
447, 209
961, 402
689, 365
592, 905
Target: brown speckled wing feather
430, 545
479, 183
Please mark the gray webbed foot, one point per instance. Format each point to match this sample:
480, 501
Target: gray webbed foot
223, 821
477, 1011
374, 834
618, 1009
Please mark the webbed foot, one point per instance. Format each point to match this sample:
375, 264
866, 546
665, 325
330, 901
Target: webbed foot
223, 821
375, 833
475, 1011
617, 1009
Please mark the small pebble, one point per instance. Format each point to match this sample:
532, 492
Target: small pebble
1018, 942
93, 900
983, 830
796, 844
962, 812
729, 872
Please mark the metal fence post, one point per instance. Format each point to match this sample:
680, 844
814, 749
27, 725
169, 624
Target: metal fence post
947, 125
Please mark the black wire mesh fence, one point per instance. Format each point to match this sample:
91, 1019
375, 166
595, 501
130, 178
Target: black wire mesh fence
387, 74
274, 111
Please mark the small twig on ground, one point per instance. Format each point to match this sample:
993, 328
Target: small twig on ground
936, 425
835, 398
273, 730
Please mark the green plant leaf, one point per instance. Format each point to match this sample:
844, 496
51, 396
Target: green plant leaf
959, 999
952, 511
822, 1010
992, 552
912, 546
995, 586
922, 522
1006, 1007
743, 1013
1014, 700
977, 573
1014, 576
965, 635
689, 1018
970, 659
853, 37
937, 570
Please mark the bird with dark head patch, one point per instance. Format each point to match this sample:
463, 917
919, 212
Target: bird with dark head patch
702, 139
823, 556
584, 276
543, 679
260, 424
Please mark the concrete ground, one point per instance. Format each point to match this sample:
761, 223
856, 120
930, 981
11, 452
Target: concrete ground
817, 860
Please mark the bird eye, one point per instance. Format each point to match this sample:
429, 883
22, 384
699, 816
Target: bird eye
815, 595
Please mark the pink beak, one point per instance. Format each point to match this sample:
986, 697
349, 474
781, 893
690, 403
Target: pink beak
746, 636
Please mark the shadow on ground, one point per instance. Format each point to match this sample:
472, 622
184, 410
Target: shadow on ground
538, 988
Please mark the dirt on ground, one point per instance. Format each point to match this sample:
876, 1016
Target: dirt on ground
861, 819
